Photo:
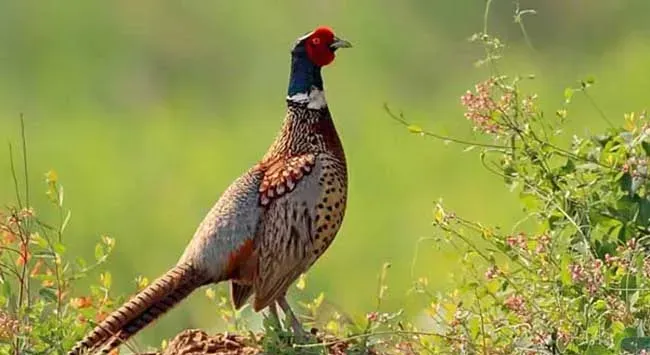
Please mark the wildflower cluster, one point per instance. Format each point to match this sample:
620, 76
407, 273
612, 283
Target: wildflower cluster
9, 327
580, 279
482, 109
589, 275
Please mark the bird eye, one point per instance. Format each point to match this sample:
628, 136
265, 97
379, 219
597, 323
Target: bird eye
315, 41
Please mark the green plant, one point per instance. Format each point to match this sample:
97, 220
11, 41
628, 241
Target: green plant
38, 314
577, 280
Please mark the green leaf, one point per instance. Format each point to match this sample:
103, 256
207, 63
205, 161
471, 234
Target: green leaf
6, 290
99, 252
46, 254
588, 167
568, 168
629, 283
48, 294
530, 201
626, 183
60, 196
633, 299
81, 263
598, 350
568, 95
39, 240
106, 279
600, 306
643, 218
65, 221
646, 147
634, 344
587, 82
59, 248
414, 129
620, 332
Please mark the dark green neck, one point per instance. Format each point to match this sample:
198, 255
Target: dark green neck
304, 74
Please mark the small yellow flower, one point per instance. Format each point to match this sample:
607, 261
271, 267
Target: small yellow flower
302, 282
51, 177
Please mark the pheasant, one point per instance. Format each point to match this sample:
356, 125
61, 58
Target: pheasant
270, 225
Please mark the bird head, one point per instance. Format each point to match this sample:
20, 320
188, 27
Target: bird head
320, 45
310, 53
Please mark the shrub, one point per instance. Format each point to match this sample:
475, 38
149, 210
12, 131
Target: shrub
577, 282
38, 314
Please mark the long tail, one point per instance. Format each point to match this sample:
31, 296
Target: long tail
141, 310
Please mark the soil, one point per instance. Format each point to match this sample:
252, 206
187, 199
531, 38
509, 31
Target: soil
197, 342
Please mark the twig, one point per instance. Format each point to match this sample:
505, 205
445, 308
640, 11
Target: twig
26, 172
519, 20
597, 108
14, 176
480, 313
401, 120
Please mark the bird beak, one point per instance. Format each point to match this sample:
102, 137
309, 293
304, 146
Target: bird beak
340, 43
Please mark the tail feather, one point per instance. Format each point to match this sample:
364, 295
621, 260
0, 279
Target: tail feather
144, 308
239, 294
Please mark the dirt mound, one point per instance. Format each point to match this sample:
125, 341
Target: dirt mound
197, 342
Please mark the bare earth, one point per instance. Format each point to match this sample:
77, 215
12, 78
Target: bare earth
197, 342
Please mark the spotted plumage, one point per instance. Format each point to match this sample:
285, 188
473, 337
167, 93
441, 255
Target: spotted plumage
298, 227
281, 174
271, 224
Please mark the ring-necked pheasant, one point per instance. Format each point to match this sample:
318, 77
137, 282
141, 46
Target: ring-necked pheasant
271, 224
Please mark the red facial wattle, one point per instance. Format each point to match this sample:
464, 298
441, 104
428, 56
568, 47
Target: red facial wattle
318, 46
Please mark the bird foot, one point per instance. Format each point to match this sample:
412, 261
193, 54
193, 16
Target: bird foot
299, 333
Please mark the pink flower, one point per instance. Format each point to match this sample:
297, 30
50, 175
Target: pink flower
481, 107
625, 168
372, 316
517, 241
541, 339
563, 337
577, 272
617, 310
516, 304
492, 272
543, 242
590, 275
646, 267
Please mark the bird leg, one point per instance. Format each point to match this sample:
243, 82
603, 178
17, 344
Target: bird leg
273, 316
298, 330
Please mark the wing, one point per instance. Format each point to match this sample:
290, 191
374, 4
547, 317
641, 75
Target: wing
224, 241
292, 233
282, 175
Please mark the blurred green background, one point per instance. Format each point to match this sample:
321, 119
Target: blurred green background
149, 109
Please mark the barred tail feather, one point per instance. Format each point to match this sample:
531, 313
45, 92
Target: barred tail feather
144, 308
